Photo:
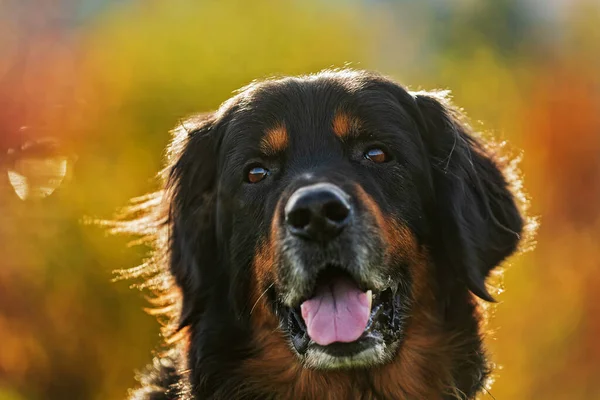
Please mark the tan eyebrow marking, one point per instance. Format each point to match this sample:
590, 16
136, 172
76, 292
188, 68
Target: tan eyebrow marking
345, 125
275, 140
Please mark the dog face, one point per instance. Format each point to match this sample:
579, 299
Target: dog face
321, 186
332, 211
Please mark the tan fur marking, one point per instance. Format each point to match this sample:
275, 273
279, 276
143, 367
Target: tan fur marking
345, 125
399, 239
275, 140
263, 274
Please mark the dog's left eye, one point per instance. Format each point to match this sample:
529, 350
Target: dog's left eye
256, 174
376, 155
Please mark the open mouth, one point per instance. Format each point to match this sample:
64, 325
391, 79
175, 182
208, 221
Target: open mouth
342, 321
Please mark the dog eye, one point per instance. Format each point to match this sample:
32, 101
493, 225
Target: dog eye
376, 155
257, 174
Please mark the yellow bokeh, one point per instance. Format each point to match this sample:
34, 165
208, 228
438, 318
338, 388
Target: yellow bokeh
106, 80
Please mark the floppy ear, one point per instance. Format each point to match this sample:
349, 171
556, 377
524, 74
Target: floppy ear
190, 199
478, 219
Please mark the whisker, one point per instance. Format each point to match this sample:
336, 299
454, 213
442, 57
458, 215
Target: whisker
260, 297
489, 393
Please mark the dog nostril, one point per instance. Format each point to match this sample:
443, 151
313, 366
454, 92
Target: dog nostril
317, 212
299, 218
336, 211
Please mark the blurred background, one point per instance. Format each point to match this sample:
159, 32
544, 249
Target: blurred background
90, 88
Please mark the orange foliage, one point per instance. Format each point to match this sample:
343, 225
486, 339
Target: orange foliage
109, 82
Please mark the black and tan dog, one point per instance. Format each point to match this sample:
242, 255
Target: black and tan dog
324, 237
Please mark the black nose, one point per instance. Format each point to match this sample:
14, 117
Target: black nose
318, 212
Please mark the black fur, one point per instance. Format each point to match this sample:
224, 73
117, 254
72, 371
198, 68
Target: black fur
444, 185
480, 223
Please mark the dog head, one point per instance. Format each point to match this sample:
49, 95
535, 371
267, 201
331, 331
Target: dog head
326, 209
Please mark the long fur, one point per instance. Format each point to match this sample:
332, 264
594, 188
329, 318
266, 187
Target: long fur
224, 340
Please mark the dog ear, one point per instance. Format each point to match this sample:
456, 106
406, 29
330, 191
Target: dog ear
190, 192
478, 219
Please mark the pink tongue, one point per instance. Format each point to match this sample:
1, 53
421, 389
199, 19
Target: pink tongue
338, 312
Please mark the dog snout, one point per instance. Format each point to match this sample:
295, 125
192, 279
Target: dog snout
318, 212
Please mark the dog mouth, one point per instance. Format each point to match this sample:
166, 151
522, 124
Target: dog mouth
342, 319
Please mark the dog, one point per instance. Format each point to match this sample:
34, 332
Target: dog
326, 237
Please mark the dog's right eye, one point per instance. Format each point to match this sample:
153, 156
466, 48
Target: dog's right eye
256, 174
376, 155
